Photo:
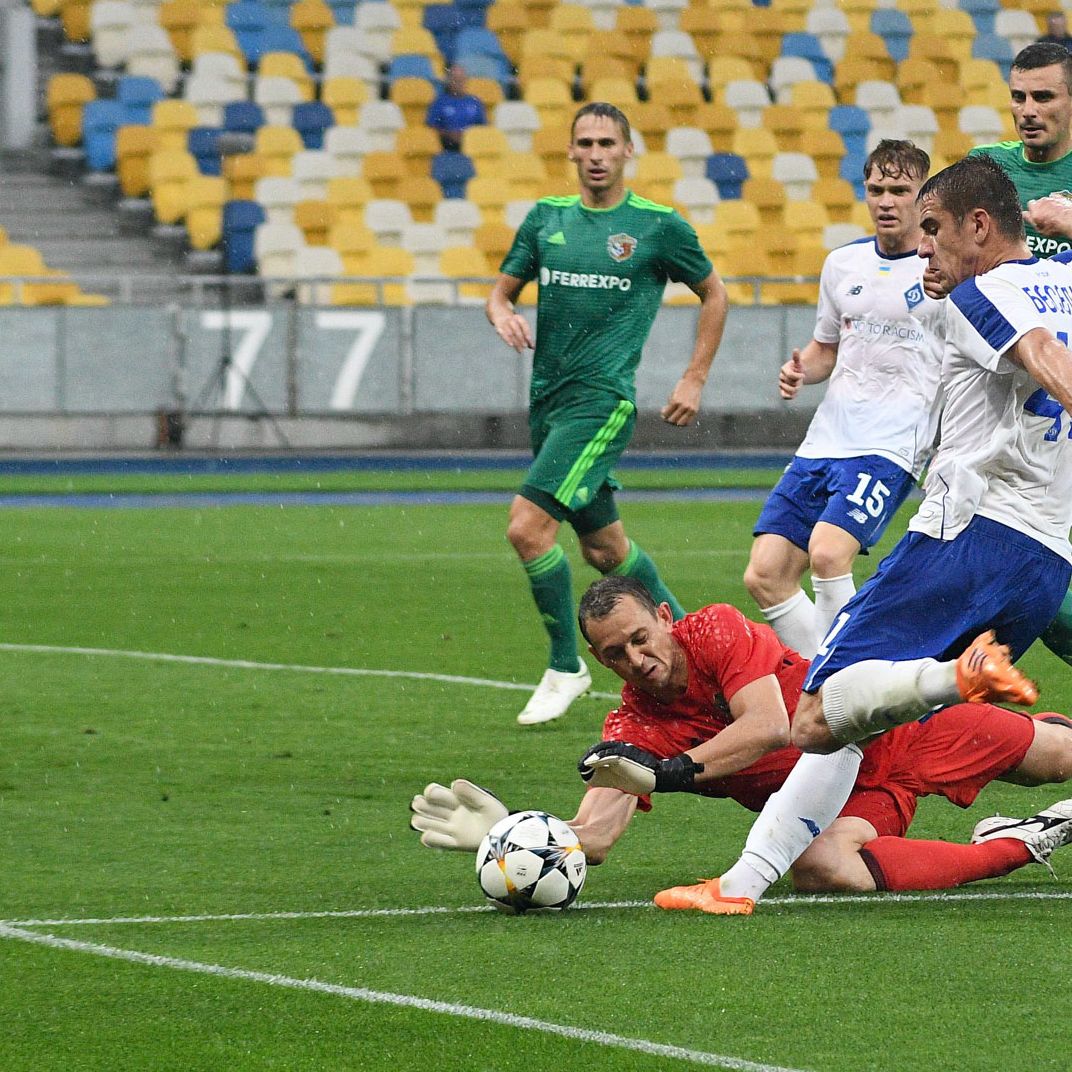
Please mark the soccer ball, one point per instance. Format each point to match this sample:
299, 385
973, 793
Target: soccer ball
530, 861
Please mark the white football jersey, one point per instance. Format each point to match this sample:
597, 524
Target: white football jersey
1005, 452
884, 394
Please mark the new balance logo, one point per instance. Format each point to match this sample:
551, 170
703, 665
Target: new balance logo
557, 239
812, 825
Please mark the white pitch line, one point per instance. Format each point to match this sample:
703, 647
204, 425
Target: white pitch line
786, 901
409, 1001
245, 664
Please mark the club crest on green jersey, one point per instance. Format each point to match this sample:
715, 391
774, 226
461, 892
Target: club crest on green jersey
621, 246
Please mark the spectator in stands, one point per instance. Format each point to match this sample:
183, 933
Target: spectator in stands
454, 109
1057, 31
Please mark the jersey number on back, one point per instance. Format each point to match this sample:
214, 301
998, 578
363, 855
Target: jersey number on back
1043, 405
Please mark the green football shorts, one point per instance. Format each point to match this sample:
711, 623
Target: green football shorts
576, 444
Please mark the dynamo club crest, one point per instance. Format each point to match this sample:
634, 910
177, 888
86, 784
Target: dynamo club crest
914, 295
621, 246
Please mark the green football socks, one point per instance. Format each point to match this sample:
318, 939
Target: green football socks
638, 564
552, 588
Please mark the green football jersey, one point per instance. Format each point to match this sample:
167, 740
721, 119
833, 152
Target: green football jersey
1033, 181
601, 276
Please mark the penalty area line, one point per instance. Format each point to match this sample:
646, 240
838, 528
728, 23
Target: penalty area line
295, 668
408, 1001
784, 901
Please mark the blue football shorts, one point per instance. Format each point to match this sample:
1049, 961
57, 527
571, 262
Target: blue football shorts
930, 598
859, 495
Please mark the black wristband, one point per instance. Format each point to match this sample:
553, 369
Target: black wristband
676, 774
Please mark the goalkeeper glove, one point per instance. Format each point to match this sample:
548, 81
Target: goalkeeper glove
616, 765
456, 818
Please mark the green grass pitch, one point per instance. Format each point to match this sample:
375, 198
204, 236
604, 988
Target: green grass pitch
250, 785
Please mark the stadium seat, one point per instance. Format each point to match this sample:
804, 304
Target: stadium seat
278, 194
345, 97
956, 28
240, 221
205, 198
787, 72
871, 47
831, 27
388, 219
346, 53
668, 12
853, 124
169, 172
381, 121
691, 146
895, 28
652, 119
769, 197
211, 38
424, 242
311, 119
278, 97
916, 78
919, 124
826, 148
276, 64
203, 144
697, 196
134, 145
277, 146
463, 262
748, 99
150, 53
110, 22
993, 47
353, 241
210, 95
383, 170
100, 121
939, 52
806, 220
275, 248
349, 146
838, 197
723, 69
786, 123
808, 47
173, 120
679, 44
312, 19
413, 96
758, 147
796, 172
727, 171
417, 146
349, 196
243, 117
377, 24
459, 219
452, 171
982, 13
312, 170
74, 17
983, 124
841, 234
518, 120
67, 95
320, 266
382, 263
1018, 27
494, 238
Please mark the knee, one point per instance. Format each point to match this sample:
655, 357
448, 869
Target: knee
829, 561
766, 586
601, 558
809, 731
825, 872
527, 540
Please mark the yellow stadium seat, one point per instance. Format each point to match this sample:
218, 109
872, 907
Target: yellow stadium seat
381, 261
180, 18
208, 38
349, 195
740, 45
383, 171
786, 124
913, 79
413, 96
493, 238
479, 143
490, 196
795, 13
574, 23
938, 51
535, 65
680, 99
858, 12
719, 121
205, 197
552, 101
74, 16
956, 28
839, 198
461, 262
737, 220
946, 100
806, 220
344, 96
724, 69
826, 148
848, 74
352, 240
631, 52
768, 195
315, 218
547, 43
747, 262
864, 45
411, 12
550, 144
653, 120
242, 171
276, 146
758, 147
952, 144
287, 65
417, 41
312, 19
67, 95
422, 194
637, 24
46, 9
170, 170
621, 92
174, 119
991, 94
861, 216
538, 11
509, 22
417, 146
596, 69
134, 145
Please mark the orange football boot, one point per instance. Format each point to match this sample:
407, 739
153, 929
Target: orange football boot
705, 897
985, 674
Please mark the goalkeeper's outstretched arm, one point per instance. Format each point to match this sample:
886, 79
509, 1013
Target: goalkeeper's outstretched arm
601, 820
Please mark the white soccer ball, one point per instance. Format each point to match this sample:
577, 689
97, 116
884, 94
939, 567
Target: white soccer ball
530, 861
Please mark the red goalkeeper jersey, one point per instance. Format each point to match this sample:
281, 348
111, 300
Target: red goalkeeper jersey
725, 652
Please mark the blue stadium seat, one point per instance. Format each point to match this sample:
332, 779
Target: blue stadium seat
983, 13
240, 222
452, 171
809, 47
990, 46
243, 117
895, 28
344, 11
443, 21
472, 12
100, 121
477, 41
851, 169
248, 20
203, 144
280, 39
853, 124
411, 66
481, 65
311, 119
728, 172
138, 94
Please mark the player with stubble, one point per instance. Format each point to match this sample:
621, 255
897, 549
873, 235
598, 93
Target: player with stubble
602, 258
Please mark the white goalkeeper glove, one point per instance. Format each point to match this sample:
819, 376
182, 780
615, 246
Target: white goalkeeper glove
456, 818
616, 765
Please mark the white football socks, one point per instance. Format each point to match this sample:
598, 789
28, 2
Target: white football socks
794, 621
874, 695
831, 594
809, 801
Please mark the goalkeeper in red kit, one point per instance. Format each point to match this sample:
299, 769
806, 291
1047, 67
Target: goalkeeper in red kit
706, 708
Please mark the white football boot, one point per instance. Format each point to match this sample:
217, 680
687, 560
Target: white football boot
1042, 833
556, 691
